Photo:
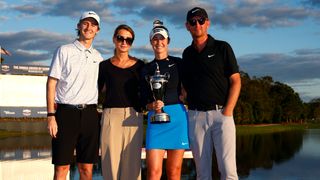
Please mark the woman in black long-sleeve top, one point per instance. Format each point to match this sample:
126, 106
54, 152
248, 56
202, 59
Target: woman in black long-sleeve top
122, 123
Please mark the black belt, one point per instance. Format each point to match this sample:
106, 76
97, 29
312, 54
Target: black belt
213, 107
77, 106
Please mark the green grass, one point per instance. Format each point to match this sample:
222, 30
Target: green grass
241, 129
26, 119
6, 134
269, 128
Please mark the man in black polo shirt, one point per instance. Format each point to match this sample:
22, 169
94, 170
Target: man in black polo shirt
212, 83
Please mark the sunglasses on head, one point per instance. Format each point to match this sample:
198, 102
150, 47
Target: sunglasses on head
193, 22
121, 39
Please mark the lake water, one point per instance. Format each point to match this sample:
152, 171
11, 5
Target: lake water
286, 155
294, 157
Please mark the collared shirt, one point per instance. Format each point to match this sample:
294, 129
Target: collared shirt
206, 74
76, 69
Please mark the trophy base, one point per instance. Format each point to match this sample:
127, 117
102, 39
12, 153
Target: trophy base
160, 118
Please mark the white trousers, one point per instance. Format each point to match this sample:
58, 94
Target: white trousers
208, 130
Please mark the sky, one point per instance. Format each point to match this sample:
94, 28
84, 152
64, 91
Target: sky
277, 38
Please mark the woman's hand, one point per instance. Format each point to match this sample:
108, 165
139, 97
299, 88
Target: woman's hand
155, 105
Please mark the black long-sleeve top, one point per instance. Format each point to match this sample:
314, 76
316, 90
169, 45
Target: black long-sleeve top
122, 85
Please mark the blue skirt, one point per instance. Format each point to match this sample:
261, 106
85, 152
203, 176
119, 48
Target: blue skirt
172, 135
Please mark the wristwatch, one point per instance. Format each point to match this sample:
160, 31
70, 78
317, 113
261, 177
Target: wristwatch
51, 114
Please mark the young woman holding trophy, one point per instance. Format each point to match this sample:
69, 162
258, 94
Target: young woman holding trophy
167, 118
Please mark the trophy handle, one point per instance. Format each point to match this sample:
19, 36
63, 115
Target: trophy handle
167, 75
147, 77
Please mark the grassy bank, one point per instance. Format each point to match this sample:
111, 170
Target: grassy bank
5, 134
26, 119
17, 127
273, 128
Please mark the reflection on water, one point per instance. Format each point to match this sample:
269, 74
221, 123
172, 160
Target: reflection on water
286, 155
302, 165
188, 171
25, 147
266, 150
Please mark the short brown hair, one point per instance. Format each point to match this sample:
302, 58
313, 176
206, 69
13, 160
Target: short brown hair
125, 27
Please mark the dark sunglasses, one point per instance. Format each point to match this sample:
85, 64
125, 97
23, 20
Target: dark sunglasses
193, 22
121, 39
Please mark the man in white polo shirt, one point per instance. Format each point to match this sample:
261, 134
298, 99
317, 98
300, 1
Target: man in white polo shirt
72, 95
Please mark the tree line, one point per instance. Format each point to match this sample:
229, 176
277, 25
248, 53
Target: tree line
263, 100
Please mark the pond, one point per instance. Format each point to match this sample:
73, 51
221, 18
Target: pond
285, 155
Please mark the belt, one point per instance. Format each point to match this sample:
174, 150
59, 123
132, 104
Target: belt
215, 107
77, 106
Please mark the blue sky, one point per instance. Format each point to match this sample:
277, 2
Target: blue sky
269, 37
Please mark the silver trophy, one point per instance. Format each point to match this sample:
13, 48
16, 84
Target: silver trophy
158, 85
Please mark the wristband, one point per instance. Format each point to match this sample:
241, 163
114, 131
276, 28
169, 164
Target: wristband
51, 114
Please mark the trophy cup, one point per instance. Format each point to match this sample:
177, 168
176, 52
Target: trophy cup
158, 84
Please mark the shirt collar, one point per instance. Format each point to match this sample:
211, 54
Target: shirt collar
209, 43
81, 47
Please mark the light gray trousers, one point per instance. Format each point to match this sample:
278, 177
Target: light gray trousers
208, 130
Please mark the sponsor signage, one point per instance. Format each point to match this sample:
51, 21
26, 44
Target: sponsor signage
17, 112
24, 69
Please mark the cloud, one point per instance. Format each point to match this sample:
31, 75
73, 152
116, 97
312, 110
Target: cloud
229, 13
299, 69
3, 18
174, 11
309, 52
38, 46
313, 3
262, 14
70, 8
146, 51
31, 45
302, 64
3, 5
28, 9
308, 89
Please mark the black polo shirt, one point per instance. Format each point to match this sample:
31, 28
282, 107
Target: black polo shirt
205, 75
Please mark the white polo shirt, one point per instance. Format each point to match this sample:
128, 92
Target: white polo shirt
76, 69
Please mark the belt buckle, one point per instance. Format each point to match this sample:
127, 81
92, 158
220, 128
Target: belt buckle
219, 107
80, 106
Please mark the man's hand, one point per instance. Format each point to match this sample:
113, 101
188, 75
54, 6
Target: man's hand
52, 126
183, 95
